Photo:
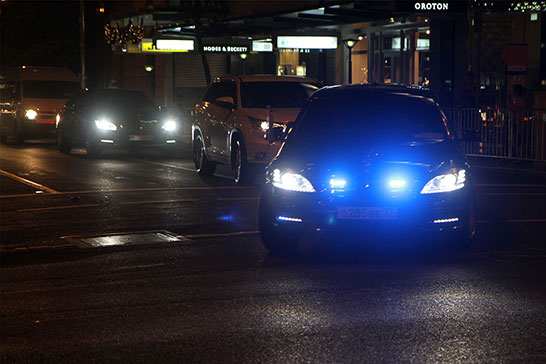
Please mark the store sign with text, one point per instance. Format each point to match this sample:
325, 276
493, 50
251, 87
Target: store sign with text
437, 7
225, 48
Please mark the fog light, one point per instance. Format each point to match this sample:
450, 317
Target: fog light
397, 184
337, 183
443, 221
289, 219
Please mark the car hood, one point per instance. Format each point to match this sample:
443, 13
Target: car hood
127, 117
420, 158
280, 115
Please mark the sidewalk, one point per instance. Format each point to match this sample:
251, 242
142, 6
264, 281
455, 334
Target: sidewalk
509, 164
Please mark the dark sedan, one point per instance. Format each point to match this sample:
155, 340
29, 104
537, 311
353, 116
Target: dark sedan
377, 166
115, 118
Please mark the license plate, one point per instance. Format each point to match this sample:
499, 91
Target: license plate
141, 138
367, 213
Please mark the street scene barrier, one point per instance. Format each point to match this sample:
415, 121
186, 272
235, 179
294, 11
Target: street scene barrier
505, 133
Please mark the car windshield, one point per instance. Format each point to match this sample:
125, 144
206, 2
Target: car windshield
386, 117
50, 89
123, 101
275, 94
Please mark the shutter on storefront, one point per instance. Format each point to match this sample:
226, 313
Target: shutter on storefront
190, 82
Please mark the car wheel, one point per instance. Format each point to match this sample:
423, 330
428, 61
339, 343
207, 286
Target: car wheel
275, 240
203, 166
18, 134
63, 143
239, 165
169, 151
93, 149
470, 233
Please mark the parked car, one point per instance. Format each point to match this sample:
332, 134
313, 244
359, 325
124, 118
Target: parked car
242, 119
115, 118
375, 165
31, 97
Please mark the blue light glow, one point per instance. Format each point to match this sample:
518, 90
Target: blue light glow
289, 219
397, 183
337, 183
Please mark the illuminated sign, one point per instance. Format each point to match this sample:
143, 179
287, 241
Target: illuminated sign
431, 6
225, 48
262, 46
307, 42
174, 44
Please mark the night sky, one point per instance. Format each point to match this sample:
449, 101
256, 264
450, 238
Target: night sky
40, 33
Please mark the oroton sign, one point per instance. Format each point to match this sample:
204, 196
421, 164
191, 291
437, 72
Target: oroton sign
431, 6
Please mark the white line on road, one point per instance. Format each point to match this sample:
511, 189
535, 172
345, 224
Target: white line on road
141, 266
28, 182
236, 233
148, 189
59, 208
513, 194
512, 221
166, 165
508, 185
156, 202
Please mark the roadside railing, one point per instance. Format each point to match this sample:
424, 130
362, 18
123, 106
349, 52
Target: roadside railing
505, 133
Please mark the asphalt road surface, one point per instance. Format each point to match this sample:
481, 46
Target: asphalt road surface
137, 259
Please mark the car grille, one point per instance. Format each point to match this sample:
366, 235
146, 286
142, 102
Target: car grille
46, 117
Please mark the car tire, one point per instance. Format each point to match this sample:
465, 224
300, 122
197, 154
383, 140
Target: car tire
169, 151
93, 149
239, 165
470, 232
18, 134
203, 166
63, 142
273, 238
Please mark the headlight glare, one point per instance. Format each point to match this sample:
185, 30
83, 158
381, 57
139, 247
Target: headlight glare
105, 125
169, 126
291, 181
57, 119
31, 114
452, 181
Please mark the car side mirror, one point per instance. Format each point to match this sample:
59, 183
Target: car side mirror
276, 133
226, 102
470, 135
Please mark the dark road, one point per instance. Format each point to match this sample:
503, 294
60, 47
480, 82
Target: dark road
135, 258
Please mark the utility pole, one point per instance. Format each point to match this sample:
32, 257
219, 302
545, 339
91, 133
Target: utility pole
82, 45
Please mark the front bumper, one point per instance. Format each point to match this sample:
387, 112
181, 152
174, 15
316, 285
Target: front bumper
435, 216
38, 128
124, 140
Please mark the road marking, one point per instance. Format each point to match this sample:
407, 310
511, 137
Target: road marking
140, 266
513, 221
156, 202
28, 182
166, 165
149, 189
59, 208
513, 194
508, 185
236, 233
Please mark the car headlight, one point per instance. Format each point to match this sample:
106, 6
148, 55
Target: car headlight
31, 114
169, 126
105, 125
454, 180
291, 181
